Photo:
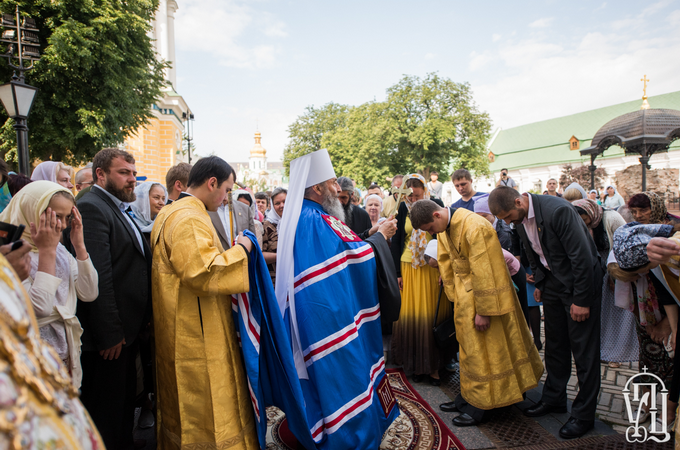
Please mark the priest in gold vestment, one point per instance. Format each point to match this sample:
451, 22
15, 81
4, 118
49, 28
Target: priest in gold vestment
498, 358
203, 398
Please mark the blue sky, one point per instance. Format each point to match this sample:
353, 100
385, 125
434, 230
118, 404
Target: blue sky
242, 62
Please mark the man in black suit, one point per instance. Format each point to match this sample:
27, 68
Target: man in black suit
568, 277
113, 321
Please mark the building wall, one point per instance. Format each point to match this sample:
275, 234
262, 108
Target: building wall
155, 148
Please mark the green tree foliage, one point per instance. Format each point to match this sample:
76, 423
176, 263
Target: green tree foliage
423, 125
98, 76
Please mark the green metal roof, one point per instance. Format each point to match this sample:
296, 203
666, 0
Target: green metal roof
547, 142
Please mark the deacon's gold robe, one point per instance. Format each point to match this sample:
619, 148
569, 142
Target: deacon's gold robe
498, 365
203, 399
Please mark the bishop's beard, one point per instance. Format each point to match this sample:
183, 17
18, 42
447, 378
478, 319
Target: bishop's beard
333, 206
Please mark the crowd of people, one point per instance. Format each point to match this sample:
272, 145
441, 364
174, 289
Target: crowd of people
131, 284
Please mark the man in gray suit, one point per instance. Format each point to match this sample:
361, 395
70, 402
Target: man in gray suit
223, 222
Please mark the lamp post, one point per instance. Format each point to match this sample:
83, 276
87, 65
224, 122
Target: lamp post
17, 97
189, 120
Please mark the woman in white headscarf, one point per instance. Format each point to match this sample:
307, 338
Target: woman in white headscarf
54, 171
574, 192
270, 237
57, 280
412, 337
151, 197
613, 199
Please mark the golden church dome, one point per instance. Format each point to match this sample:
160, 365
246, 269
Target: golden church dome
258, 151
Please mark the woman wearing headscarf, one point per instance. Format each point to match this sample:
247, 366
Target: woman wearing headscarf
643, 292
374, 208
57, 279
595, 196
574, 192
613, 199
54, 171
618, 343
151, 197
663, 288
412, 337
270, 237
649, 207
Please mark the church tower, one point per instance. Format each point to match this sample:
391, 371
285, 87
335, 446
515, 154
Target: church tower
257, 163
158, 145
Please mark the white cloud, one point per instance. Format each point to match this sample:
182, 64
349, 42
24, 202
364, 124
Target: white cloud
220, 29
430, 55
542, 80
477, 61
495, 37
273, 27
541, 23
601, 7
655, 7
674, 18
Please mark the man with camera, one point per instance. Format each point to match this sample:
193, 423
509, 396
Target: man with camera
505, 180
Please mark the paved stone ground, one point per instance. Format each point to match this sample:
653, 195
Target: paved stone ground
611, 409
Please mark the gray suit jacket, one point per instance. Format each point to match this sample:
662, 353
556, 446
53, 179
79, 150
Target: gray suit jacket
243, 217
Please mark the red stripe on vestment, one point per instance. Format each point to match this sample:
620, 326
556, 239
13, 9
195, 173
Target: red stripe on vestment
332, 265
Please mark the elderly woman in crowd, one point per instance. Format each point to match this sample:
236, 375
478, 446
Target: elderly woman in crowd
617, 342
54, 171
412, 338
574, 192
374, 208
151, 197
647, 291
613, 199
270, 236
57, 279
654, 301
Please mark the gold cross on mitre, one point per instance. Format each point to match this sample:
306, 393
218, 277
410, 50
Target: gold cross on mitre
645, 103
402, 191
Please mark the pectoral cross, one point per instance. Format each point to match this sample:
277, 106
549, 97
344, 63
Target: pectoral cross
401, 192
644, 80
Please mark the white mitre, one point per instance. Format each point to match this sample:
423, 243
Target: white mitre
305, 171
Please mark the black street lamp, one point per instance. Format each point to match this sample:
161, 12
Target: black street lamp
189, 120
17, 97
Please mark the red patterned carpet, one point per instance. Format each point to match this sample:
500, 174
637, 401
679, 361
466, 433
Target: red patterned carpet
418, 427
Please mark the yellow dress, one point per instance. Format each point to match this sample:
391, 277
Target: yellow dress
412, 336
498, 365
203, 399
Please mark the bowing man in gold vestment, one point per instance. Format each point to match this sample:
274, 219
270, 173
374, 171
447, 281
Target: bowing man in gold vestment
498, 359
203, 399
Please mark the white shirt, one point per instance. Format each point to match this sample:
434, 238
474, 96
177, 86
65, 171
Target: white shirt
531, 228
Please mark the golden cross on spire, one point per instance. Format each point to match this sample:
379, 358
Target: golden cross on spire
644, 80
645, 103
